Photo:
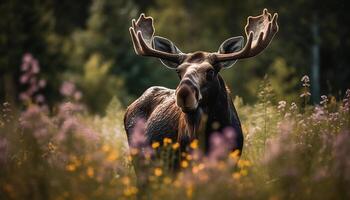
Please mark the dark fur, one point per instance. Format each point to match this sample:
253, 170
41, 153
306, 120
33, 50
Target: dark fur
165, 119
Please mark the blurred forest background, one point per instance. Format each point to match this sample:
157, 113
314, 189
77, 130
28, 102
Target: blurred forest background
88, 43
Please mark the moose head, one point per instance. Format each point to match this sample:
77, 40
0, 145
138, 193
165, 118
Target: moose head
198, 71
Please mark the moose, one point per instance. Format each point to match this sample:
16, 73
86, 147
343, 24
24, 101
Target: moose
201, 98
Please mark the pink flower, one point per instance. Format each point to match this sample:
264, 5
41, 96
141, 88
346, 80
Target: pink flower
35, 66
42, 83
24, 79
77, 95
138, 137
67, 89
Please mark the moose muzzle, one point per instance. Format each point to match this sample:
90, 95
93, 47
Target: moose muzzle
187, 96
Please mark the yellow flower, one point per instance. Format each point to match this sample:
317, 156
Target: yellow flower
167, 180
189, 157
167, 141
71, 167
134, 151
90, 172
158, 171
112, 156
244, 163
194, 144
155, 145
244, 172
236, 175
234, 154
126, 180
176, 146
129, 191
106, 148
129, 158
184, 164
201, 166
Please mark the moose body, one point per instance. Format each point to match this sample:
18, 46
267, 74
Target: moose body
201, 104
164, 119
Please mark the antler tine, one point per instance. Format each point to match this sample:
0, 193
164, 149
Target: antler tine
260, 31
141, 34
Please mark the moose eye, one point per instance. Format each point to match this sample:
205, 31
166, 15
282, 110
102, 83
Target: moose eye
210, 74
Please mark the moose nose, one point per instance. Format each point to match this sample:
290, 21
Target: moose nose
186, 98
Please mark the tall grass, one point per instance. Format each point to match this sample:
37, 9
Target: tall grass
293, 150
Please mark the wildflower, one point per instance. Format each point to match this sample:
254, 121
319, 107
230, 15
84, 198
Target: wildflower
129, 191
158, 171
67, 89
318, 114
293, 106
175, 146
306, 80
71, 167
42, 83
305, 94
112, 156
39, 98
281, 105
244, 172
324, 100
184, 164
106, 148
134, 151
126, 180
236, 175
168, 140
51, 147
90, 172
194, 144
77, 95
138, 137
155, 145
243, 163
234, 154
167, 180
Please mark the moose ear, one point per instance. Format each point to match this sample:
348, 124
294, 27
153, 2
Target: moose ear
229, 46
165, 45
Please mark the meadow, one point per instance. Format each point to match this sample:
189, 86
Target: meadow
292, 150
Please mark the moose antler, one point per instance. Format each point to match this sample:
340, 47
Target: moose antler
142, 32
259, 32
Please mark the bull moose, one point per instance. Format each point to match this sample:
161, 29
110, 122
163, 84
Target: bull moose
201, 92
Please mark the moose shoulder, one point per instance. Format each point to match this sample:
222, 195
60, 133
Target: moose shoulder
201, 100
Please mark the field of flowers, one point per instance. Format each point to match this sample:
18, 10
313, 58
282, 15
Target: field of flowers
293, 150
